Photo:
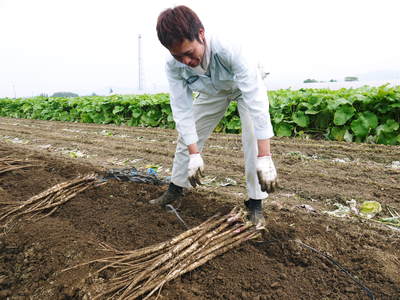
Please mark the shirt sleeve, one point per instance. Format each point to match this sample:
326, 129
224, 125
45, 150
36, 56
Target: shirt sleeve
181, 104
249, 81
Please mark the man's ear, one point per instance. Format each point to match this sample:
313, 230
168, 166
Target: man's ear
202, 36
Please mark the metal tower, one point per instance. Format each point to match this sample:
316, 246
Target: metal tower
140, 75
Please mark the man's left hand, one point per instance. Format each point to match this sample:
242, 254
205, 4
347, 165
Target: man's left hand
266, 173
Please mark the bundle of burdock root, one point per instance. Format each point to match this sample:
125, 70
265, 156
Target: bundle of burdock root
8, 164
45, 203
146, 270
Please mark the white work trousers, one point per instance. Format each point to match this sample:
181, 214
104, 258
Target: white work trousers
208, 111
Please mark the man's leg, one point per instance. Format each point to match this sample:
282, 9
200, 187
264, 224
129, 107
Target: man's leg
208, 111
249, 141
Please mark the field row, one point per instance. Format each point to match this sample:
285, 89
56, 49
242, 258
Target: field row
367, 114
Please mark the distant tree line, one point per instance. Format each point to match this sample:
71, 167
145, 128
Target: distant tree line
65, 94
351, 78
69, 94
348, 78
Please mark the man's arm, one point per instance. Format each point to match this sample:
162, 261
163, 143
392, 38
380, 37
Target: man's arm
249, 82
193, 149
181, 105
181, 102
264, 147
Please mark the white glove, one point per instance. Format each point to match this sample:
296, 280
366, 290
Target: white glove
266, 173
195, 169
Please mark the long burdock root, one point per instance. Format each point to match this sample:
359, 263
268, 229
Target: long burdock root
50, 199
143, 272
8, 164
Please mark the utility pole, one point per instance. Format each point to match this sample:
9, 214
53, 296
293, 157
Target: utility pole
140, 75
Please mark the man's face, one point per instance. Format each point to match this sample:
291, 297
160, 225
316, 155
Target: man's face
188, 52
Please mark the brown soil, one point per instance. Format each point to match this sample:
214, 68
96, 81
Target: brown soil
32, 254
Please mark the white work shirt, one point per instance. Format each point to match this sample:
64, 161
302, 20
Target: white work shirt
229, 72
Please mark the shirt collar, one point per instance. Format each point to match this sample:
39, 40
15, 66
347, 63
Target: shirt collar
203, 66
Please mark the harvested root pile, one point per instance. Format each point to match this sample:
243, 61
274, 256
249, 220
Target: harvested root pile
50, 199
146, 270
9, 164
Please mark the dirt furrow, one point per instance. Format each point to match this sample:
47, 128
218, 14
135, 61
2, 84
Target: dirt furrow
118, 213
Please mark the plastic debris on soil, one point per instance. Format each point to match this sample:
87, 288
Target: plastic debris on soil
341, 160
212, 181
133, 175
227, 182
369, 209
341, 211
366, 210
395, 165
308, 208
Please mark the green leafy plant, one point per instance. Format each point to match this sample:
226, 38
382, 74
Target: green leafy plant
366, 114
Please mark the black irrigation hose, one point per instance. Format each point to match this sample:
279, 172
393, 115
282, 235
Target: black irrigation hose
334, 262
347, 272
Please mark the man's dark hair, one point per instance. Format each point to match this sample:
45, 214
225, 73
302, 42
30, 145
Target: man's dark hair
174, 25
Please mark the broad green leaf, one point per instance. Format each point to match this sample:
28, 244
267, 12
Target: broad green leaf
390, 126
370, 118
384, 109
360, 127
315, 101
379, 129
234, 123
277, 118
232, 109
220, 127
395, 105
136, 113
85, 118
387, 138
284, 129
311, 112
323, 120
338, 133
133, 122
360, 98
312, 106
117, 109
343, 114
333, 104
301, 119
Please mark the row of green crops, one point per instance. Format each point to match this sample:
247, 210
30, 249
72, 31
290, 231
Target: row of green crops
367, 114
134, 110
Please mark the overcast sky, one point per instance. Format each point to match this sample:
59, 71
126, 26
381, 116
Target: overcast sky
90, 46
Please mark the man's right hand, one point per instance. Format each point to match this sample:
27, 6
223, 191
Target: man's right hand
266, 174
195, 169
